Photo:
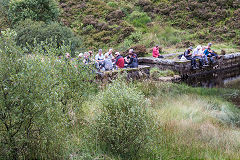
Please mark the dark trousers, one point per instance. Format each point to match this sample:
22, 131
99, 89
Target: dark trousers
201, 62
193, 61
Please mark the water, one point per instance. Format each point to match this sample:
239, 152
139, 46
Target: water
229, 78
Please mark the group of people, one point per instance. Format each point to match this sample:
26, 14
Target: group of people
108, 61
201, 53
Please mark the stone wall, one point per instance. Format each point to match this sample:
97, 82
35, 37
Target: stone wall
142, 72
184, 67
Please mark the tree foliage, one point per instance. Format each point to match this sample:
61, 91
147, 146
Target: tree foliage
30, 32
38, 10
37, 94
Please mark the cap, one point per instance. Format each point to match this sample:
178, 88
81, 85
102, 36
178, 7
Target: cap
117, 53
209, 44
191, 48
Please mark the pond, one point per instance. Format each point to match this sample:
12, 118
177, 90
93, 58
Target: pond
229, 78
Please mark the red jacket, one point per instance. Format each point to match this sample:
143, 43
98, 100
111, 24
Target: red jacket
120, 62
155, 52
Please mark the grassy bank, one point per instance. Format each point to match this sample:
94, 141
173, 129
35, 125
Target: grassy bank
183, 123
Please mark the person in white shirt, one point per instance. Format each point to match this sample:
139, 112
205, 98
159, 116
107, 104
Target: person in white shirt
109, 54
198, 54
99, 58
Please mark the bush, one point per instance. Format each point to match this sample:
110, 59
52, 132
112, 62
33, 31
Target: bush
123, 124
38, 92
37, 10
139, 19
112, 4
29, 32
135, 37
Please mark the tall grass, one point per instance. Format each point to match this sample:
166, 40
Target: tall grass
182, 123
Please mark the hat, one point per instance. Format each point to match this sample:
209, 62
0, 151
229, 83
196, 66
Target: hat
130, 50
117, 53
191, 48
100, 50
199, 47
209, 44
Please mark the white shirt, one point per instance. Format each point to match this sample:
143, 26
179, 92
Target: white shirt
98, 57
196, 52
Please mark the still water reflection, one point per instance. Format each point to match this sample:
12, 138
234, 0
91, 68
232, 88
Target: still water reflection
229, 78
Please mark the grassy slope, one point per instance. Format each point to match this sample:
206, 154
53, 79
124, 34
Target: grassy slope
173, 24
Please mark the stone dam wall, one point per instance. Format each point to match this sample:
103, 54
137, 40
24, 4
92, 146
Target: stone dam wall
184, 67
142, 72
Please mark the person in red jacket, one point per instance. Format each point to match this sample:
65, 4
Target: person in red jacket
119, 60
156, 52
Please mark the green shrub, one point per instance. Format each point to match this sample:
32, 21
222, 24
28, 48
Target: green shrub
30, 32
170, 36
112, 4
135, 37
37, 10
123, 124
38, 92
139, 19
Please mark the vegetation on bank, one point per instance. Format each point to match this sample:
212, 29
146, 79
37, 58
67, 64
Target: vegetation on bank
53, 109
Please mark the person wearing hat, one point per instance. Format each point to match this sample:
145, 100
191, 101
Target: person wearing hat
188, 55
210, 53
119, 60
155, 52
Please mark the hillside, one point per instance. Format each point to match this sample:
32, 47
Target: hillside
170, 23
167, 22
